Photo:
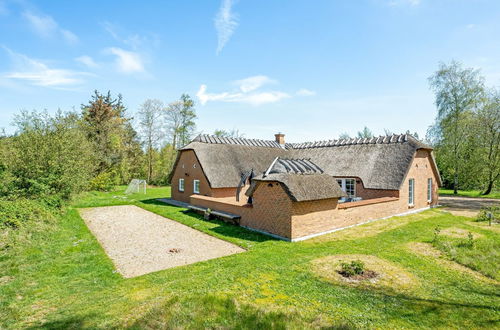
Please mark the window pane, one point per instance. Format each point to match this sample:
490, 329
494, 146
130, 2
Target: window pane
350, 187
411, 190
429, 189
181, 184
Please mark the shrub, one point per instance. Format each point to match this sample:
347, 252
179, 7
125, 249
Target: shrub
103, 182
15, 213
355, 267
49, 155
490, 214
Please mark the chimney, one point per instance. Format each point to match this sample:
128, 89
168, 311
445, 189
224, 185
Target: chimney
280, 138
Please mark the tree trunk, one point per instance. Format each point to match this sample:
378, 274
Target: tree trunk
489, 189
455, 184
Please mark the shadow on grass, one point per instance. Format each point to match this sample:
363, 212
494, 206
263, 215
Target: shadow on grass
223, 228
217, 312
66, 323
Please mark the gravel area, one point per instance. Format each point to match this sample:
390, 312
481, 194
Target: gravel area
140, 242
466, 206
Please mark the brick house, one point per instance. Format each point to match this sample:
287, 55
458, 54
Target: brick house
295, 191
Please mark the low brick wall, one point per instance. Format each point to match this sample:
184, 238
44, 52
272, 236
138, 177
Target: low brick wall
309, 218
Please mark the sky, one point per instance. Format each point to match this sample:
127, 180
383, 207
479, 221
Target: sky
309, 69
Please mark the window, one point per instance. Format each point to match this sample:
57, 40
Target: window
196, 186
348, 186
429, 189
411, 191
181, 184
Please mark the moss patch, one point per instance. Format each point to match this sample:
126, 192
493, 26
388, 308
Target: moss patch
459, 233
391, 277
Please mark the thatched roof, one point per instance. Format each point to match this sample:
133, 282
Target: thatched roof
381, 163
223, 164
302, 187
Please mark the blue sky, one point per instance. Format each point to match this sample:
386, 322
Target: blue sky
309, 69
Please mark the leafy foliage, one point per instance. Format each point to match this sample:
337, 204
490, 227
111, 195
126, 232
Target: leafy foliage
466, 134
355, 267
16, 213
50, 155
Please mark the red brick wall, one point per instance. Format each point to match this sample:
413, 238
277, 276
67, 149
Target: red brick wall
189, 169
273, 211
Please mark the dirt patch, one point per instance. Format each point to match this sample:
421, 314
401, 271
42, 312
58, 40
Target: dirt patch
427, 250
459, 233
5, 279
139, 242
373, 228
389, 276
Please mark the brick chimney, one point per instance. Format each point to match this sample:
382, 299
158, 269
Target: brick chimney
280, 138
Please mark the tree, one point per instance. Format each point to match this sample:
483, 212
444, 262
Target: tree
344, 136
48, 156
188, 115
234, 133
104, 121
173, 118
151, 128
488, 120
457, 91
365, 133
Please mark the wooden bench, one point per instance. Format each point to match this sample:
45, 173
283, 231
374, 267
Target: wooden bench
233, 218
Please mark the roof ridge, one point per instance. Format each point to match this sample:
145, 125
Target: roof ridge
381, 139
212, 139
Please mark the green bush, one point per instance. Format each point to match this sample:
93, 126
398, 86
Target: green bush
16, 213
103, 182
491, 213
355, 267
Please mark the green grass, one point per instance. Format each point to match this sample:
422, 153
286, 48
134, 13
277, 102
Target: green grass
470, 193
480, 254
60, 277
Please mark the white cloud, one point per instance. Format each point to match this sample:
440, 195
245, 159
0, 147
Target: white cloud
87, 61
305, 92
126, 61
38, 73
69, 36
247, 92
225, 24
46, 27
252, 83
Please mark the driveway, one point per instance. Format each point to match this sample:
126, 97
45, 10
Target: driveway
466, 206
140, 242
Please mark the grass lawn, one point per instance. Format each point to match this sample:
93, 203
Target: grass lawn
61, 278
470, 193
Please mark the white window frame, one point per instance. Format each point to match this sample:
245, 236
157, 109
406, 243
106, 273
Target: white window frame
181, 184
343, 185
429, 190
196, 182
411, 192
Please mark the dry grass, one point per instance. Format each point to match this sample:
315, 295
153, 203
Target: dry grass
462, 212
374, 228
390, 276
459, 233
427, 250
484, 225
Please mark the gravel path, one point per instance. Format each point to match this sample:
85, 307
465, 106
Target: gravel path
466, 206
141, 242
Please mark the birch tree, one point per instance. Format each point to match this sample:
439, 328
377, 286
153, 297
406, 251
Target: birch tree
151, 129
